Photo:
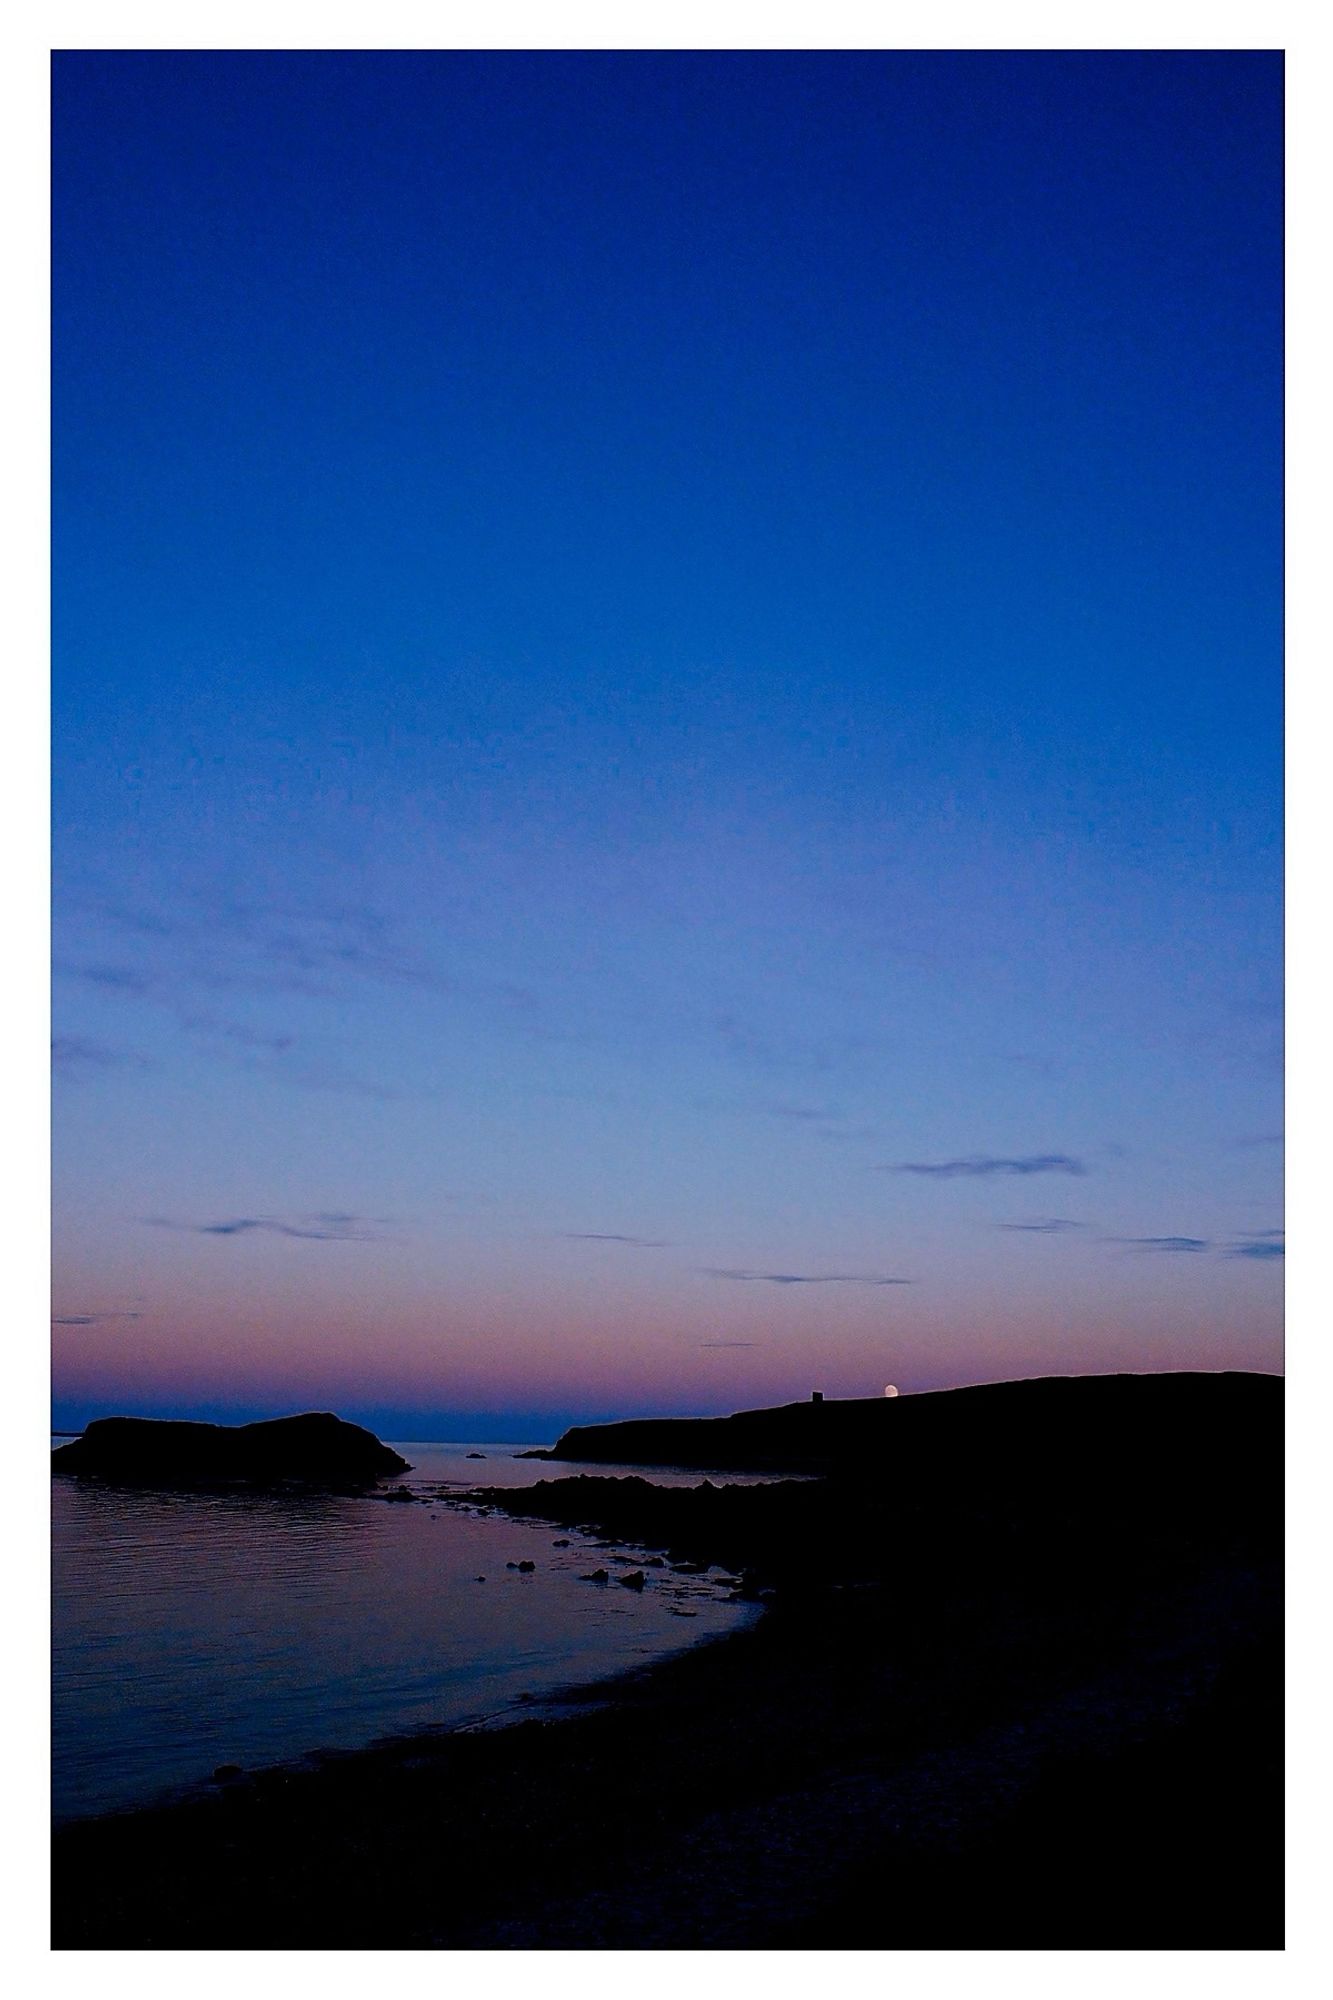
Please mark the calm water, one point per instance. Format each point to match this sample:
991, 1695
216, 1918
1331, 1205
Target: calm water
197, 1630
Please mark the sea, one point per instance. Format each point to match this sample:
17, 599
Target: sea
192, 1631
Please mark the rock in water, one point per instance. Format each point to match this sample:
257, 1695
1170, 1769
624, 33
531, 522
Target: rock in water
317, 1450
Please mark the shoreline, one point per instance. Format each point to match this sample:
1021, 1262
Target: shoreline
566, 1701
952, 1725
562, 1635
739, 1794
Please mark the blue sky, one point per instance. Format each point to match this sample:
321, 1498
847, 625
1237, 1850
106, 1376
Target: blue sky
644, 647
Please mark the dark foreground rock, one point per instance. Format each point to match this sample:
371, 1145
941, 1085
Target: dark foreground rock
1028, 1700
316, 1450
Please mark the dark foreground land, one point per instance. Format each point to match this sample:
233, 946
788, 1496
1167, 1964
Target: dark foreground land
1017, 1684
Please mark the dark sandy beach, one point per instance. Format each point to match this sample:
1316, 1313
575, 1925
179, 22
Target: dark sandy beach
1024, 1695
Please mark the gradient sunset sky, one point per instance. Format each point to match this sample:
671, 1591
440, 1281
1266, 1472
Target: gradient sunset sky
668, 728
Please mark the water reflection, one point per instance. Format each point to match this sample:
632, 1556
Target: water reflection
196, 1630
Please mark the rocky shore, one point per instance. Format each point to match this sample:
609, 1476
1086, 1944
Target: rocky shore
1025, 1697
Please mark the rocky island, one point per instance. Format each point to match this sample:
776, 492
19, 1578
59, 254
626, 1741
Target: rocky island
314, 1450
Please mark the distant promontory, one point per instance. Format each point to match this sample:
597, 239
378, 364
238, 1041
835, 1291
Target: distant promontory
1000, 1424
314, 1450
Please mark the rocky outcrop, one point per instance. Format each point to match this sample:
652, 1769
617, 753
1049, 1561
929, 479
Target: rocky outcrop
997, 1422
969, 1490
318, 1450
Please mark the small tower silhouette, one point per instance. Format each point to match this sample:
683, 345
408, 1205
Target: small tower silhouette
816, 1395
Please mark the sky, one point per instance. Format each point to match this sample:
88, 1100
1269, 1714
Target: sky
667, 721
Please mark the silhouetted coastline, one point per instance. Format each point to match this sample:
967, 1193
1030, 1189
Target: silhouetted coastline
1016, 1684
989, 1420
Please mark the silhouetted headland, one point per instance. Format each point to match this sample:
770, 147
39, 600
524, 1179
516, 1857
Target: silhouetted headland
1016, 1684
996, 1421
317, 1450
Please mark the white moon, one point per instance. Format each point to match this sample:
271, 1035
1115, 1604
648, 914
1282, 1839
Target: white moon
890, 1391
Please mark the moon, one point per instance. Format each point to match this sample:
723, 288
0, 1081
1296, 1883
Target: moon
890, 1390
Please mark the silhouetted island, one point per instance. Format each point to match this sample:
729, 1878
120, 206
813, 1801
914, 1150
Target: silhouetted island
317, 1450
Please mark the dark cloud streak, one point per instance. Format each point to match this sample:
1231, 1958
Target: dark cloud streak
1049, 1225
802, 1277
979, 1165
90, 1318
325, 1228
1171, 1246
1261, 1246
612, 1236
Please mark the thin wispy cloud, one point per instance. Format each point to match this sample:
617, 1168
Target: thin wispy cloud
817, 1119
1171, 1246
283, 1058
315, 1075
1262, 1246
746, 1045
205, 947
797, 1055
1046, 1225
978, 1166
124, 979
74, 1054
1035, 1065
141, 923
798, 1114
324, 1228
90, 1318
728, 1343
238, 1033
330, 945
851, 1135
223, 943
613, 1236
803, 1277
